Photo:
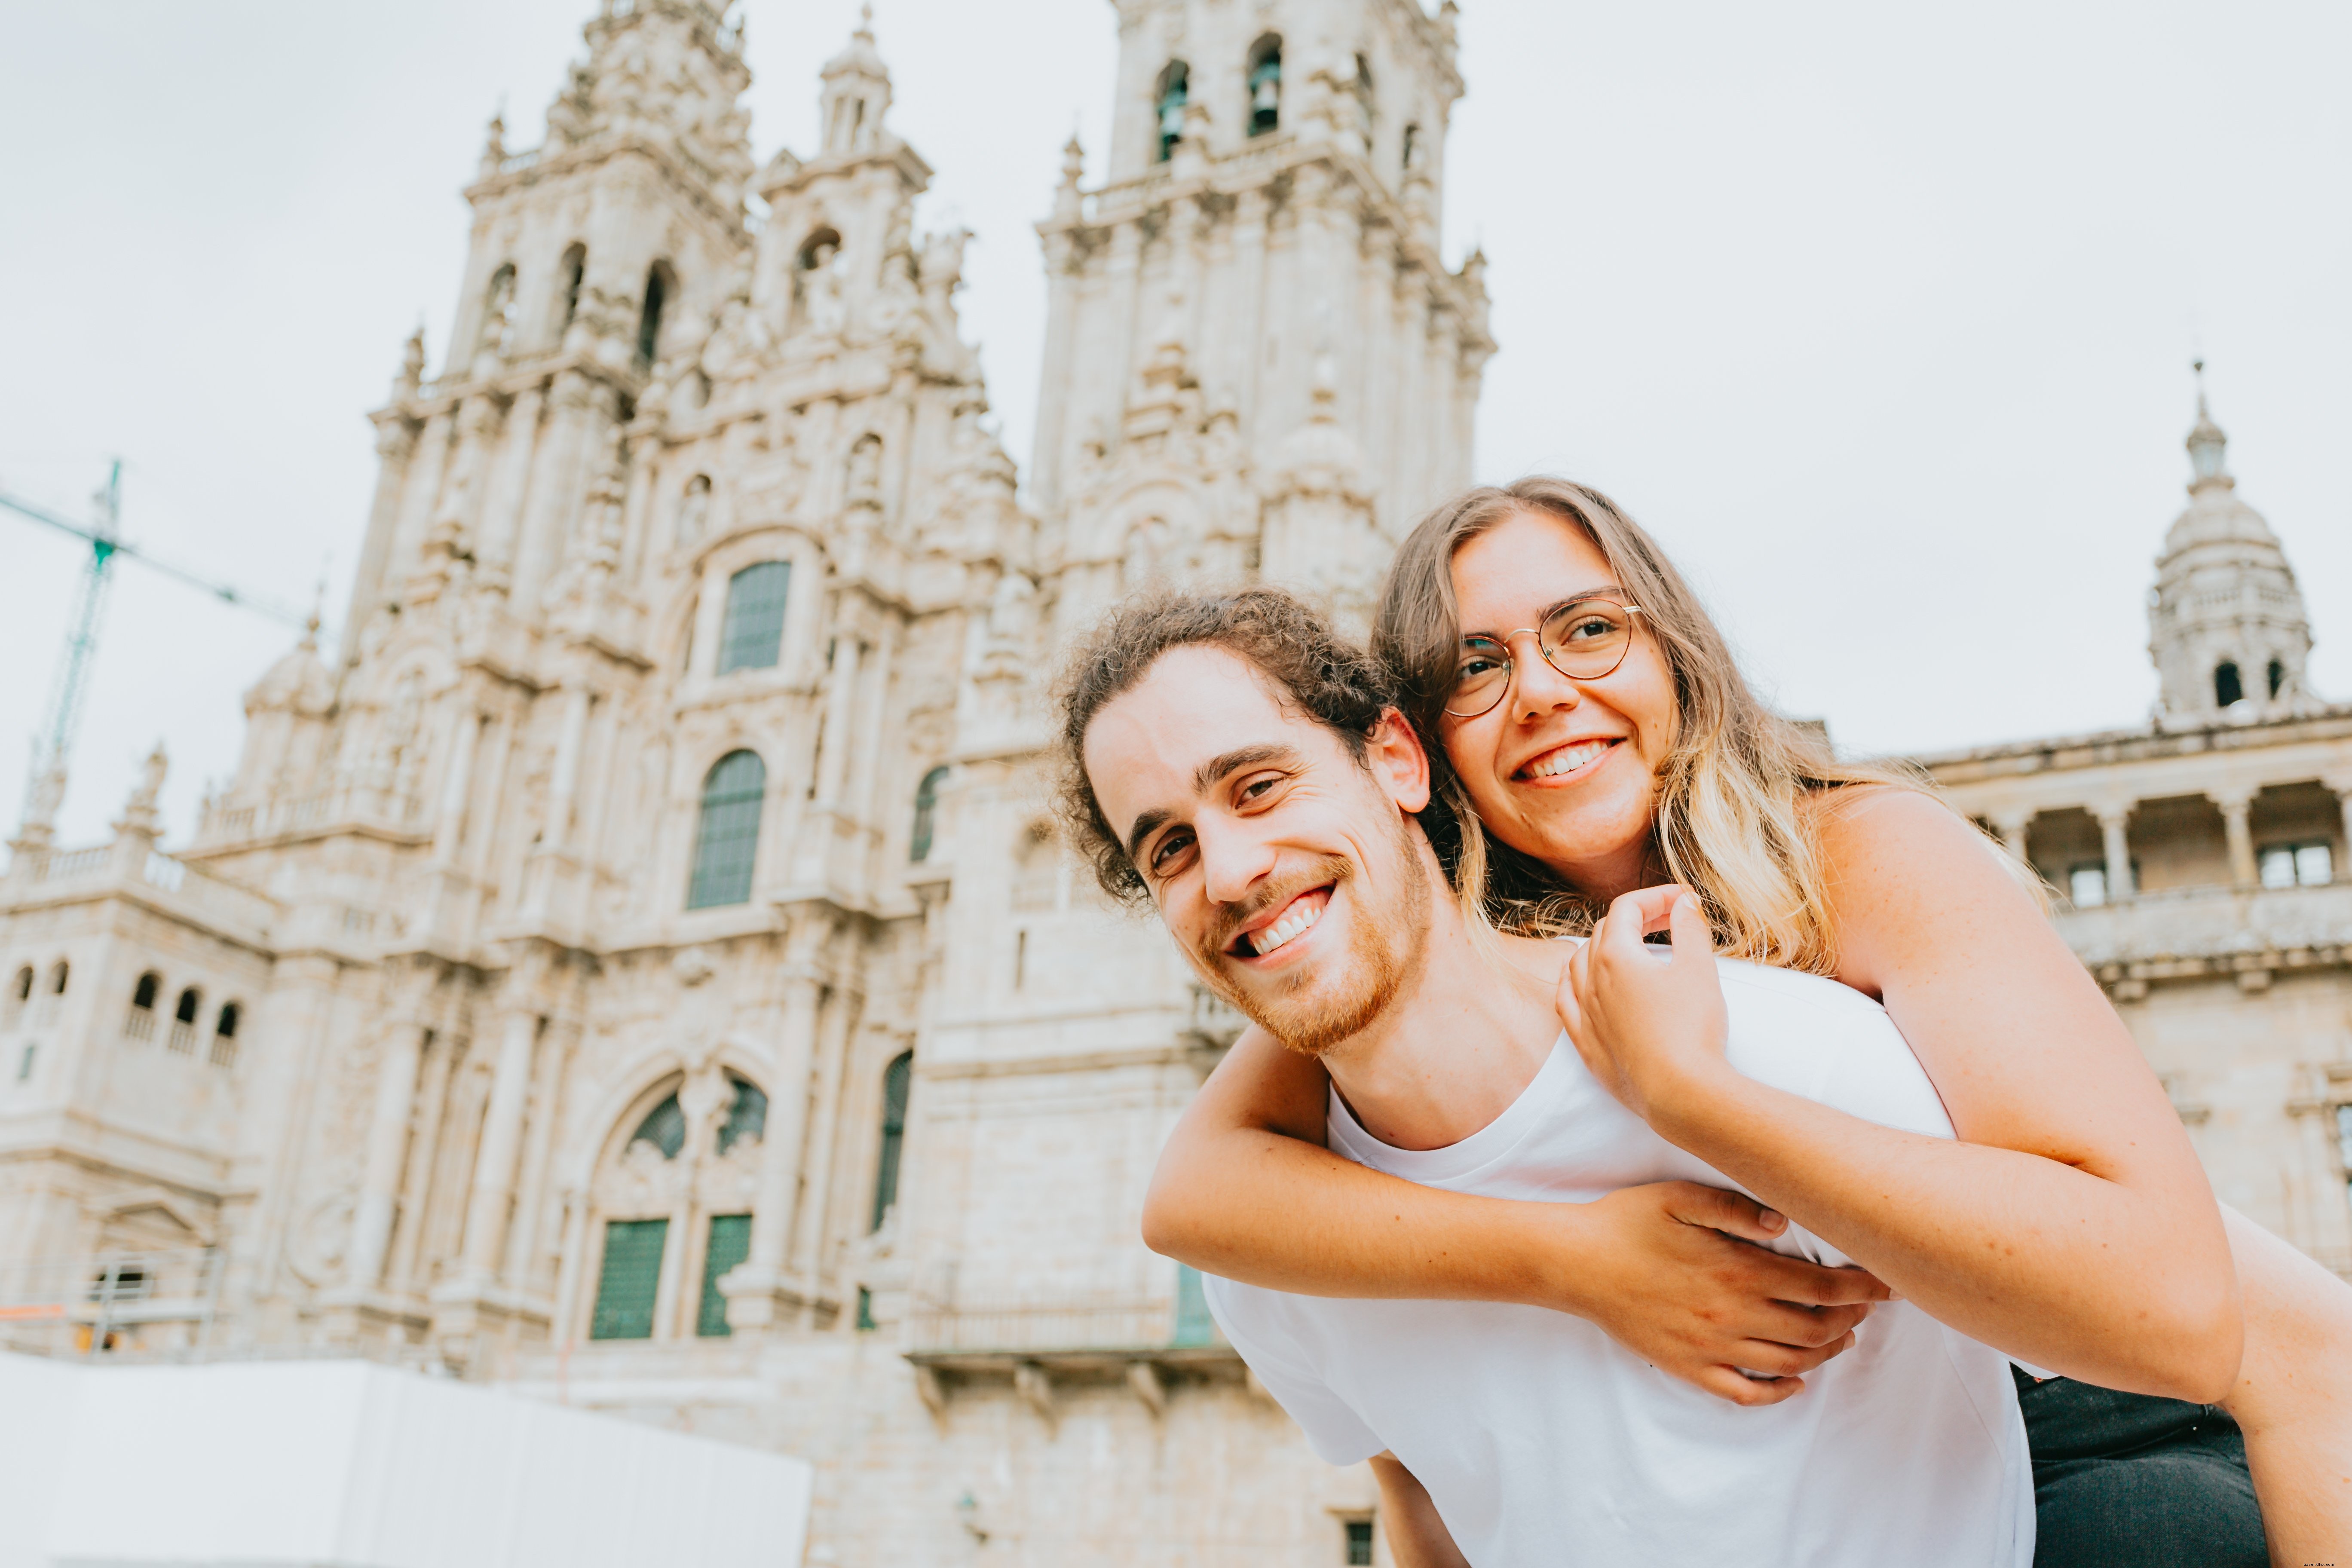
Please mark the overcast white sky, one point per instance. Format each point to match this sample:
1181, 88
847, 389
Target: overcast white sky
1880, 316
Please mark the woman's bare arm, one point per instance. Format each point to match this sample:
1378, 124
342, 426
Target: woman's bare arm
1246, 1189
1417, 1537
2072, 1227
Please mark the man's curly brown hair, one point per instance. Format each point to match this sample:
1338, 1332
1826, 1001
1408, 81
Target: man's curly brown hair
1319, 672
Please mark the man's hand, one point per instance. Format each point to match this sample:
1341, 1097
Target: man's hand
1671, 1280
1649, 1022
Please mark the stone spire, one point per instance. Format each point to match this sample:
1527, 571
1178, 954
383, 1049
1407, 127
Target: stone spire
2226, 622
856, 93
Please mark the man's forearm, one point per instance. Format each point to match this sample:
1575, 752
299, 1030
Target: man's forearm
1417, 1537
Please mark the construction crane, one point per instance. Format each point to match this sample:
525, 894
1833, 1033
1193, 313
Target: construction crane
54, 744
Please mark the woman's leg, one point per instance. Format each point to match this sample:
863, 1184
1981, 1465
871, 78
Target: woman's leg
2294, 1398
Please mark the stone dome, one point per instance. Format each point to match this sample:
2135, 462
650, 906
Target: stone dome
2226, 622
298, 681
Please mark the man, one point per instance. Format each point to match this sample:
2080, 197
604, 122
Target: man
1242, 763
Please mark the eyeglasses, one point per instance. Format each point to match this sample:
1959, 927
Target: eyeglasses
1584, 639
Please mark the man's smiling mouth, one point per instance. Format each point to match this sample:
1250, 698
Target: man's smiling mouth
1296, 919
1567, 759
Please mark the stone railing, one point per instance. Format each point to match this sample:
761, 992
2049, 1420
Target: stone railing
2210, 923
209, 893
1026, 1327
346, 805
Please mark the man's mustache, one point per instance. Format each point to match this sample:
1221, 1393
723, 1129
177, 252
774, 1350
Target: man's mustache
1322, 871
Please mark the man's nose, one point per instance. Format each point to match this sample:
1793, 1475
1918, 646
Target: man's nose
1233, 859
1537, 688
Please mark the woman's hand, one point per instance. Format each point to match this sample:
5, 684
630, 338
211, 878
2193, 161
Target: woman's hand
1648, 1023
1665, 1273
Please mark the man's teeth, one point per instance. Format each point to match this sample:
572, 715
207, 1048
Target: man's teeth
1302, 913
1566, 761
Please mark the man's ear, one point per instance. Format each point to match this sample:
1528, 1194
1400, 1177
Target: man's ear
1393, 754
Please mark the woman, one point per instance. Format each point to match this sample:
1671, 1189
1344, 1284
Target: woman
2093, 1250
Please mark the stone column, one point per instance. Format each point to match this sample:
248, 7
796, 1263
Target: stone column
2120, 887
501, 1145
709, 620
1053, 401
387, 1152
753, 1289
2013, 826
570, 1266
808, 1257
840, 703
2235, 811
564, 780
501, 511
457, 784
2344, 801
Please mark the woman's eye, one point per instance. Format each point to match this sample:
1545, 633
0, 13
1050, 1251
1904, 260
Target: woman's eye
1590, 628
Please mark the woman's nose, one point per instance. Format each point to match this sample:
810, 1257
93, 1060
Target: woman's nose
1537, 688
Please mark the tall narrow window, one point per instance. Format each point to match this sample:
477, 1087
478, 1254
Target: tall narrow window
182, 1037
630, 1279
224, 1051
1175, 91
572, 272
2278, 677
730, 1243
926, 812
140, 1023
2229, 689
897, 1079
752, 634
727, 838
1363, 86
59, 973
1265, 85
649, 319
1358, 1540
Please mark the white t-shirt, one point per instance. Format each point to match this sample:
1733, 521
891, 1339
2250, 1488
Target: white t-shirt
1542, 1441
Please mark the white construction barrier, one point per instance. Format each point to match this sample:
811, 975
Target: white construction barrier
344, 1464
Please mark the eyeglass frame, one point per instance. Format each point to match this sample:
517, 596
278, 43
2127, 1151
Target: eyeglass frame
1511, 660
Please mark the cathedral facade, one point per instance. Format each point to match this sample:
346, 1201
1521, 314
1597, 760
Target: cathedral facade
635, 966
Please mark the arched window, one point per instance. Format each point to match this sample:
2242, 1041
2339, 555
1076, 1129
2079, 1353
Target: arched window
58, 972
1174, 91
2278, 677
138, 1022
727, 838
663, 1128
1363, 86
2228, 687
926, 811
752, 637
897, 1079
497, 310
649, 319
224, 1051
747, 1114
1265, 85
572, 272
182, 1037
1411, 150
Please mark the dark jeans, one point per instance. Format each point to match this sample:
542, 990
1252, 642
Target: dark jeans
2128, 1480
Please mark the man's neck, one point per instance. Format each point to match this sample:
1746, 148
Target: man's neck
1462, 1039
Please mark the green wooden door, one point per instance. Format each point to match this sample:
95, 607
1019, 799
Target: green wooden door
630, 1280
730, 1243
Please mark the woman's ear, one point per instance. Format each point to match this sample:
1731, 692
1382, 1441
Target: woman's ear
1393, 754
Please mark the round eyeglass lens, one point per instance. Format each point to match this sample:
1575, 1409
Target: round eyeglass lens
1587, 639
1479, 677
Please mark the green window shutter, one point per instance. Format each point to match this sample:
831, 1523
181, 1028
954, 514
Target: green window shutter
727, 838
730, 1243
630, 1280
896, 1084
752, 634
1193, 1324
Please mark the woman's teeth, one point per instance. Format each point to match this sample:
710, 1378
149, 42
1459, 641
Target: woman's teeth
1565, 761
1302, 913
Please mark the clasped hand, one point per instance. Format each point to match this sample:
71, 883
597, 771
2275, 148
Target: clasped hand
1648, 1021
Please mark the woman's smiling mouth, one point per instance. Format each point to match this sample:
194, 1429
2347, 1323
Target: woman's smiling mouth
1565, 760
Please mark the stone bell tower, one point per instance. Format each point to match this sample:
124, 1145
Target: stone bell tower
2226, 622
1256, 360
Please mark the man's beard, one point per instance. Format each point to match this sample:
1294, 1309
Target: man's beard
1324, 1004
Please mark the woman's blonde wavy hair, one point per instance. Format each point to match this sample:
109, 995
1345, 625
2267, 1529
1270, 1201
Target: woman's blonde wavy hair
1728, 823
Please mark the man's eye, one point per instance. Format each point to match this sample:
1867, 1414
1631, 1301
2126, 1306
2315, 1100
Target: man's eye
1256, 787
1164, 853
